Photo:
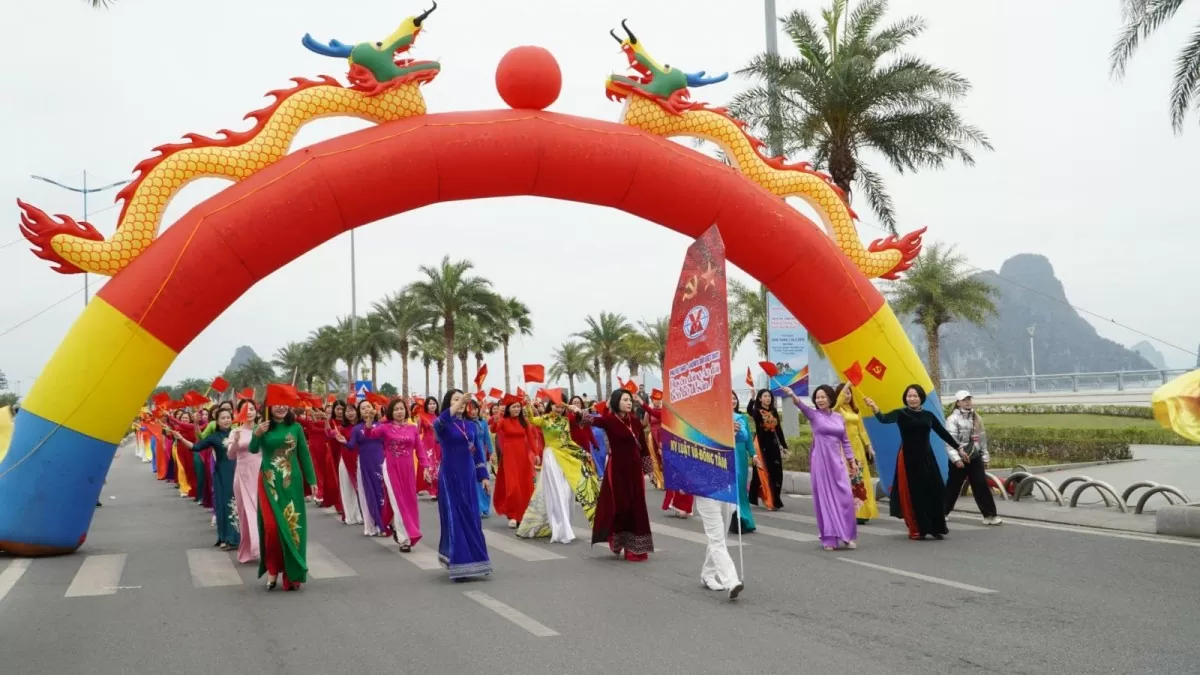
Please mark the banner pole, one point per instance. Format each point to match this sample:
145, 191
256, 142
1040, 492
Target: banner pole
737, 510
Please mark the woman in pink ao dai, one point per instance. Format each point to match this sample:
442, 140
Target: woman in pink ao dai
403, 451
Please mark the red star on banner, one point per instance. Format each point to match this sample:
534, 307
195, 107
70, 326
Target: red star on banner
876, 368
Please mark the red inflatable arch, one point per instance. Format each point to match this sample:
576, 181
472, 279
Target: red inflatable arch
255, 227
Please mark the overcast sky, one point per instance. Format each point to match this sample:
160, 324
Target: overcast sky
1086, 170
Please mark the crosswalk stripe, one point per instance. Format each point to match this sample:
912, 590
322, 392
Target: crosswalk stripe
511, 546
921, 577
513, 615
12, 574
786, 534
98, 575
421, 555
688, 535
211, 567
324, 565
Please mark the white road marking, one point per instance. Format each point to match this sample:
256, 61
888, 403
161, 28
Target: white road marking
12, 574
421, 555
921, 577
786, 534
324, 565
688, 535
1154, 539
510, 545
511, 614
98, 575
211, 568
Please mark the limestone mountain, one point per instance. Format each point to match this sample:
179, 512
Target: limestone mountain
241, 357
1028, 294
1148, 352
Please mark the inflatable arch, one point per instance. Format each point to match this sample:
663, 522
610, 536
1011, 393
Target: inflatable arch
283, 205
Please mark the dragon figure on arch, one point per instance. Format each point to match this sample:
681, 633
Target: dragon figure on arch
658, 101
384, 87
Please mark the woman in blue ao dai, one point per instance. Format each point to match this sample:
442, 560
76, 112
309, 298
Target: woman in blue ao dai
462, 548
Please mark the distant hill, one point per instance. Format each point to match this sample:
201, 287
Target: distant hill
241, 357
1029, 295
1147, 351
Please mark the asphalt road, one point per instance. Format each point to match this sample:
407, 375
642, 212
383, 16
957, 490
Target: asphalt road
148, 594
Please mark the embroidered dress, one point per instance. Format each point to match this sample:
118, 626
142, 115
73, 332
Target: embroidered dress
282, 518
770, 445
401, 447
217, 444
461, 549
861, 483
372, 495
566, 477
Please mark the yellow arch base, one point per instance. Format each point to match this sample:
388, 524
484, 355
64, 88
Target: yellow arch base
100, 374
888, 364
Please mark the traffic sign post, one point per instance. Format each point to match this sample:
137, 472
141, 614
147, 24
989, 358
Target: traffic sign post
362, 388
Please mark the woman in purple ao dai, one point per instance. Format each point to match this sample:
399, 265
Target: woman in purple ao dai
401, 443
831, 463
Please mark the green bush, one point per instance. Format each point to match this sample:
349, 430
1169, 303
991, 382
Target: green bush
1032, 446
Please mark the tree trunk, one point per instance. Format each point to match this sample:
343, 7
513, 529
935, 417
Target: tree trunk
571, 384
608, 374
634, 369
507, 382
405, 391
462, 361
843, 167
599, 390
935, 356
427, 380
374, 374
308, 381
441, 368
448, 334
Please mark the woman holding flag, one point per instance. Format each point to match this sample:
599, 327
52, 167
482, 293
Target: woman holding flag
282, 517
771, 445
462, 548
746, 459
224, 466
566, 476
621, 517
245, 479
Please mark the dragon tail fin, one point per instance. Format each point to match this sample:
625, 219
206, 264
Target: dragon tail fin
40, 228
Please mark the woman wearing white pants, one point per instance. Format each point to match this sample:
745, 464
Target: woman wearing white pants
718, 572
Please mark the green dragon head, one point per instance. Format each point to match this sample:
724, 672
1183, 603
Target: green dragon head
378, 66
652, 80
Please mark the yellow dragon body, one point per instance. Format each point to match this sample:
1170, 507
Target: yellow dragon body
656, 101
383, 88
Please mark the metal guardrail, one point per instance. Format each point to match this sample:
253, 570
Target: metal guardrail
1063, 382
1109, 494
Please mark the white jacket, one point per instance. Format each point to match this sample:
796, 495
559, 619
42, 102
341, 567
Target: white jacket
961, 425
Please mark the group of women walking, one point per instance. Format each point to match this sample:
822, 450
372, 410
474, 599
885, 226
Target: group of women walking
255, 469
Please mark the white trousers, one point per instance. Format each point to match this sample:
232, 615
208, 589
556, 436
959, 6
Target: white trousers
718, 573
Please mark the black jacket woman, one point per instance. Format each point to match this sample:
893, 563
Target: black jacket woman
918, 488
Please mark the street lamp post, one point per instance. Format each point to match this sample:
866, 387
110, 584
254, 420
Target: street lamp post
85, 191
1032, 364
775, 118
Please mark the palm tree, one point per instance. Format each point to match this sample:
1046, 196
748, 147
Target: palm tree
291, 358
747, 316
375, 343
483, 338
190, 384
325, 347
570, 361
851, 89
429, 342
656, 332
449, 292
936, 291
402, 319
512, 320
637, 350
1142, 19
254, 373
348, 331
605, 336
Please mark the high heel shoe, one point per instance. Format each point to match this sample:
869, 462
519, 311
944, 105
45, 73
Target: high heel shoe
271, 585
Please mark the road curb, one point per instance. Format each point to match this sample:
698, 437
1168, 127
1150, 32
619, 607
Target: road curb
1181, 521
797, 483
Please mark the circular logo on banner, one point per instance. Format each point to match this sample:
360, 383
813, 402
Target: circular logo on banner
695, 322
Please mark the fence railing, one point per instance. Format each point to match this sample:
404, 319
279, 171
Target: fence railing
1063, 382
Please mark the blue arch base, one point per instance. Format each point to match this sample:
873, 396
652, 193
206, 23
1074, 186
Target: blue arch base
48, 492
885, 438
